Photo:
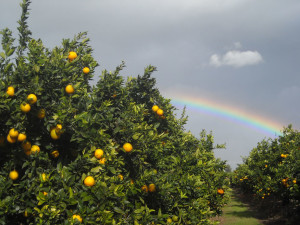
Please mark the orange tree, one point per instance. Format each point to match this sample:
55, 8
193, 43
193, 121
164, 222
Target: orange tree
114, 153
272, 169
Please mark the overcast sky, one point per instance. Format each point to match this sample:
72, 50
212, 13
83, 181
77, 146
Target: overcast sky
244, 54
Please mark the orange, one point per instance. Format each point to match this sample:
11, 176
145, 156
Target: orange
220, 191
10, 91
99, 153
25, 107
44, 177
35, 149
54, 135
102, 161
77, 217
152, 188
11, 140
160, 112
13, 175
45, 193
55, 153
127, 147
294, 181
266, 166
86, 70
121, 177
155, 108
89, 181
13, 133
31, 98
169, 220
131, 181
72, 55
26, 146
69, 89
21, 137
144, 188
41, 113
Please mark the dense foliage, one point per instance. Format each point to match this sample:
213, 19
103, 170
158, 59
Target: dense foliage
53, 124
272, 170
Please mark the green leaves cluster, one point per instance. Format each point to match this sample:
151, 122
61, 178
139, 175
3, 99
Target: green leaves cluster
50, 190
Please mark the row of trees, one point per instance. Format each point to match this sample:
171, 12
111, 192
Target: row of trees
113, 153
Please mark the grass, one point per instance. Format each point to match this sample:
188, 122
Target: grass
238, 213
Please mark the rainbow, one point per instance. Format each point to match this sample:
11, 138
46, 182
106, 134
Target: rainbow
229, 113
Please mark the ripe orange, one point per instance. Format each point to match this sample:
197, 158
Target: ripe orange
89, 181
11, 140
99, 153
86, 70
127, 147
69, 89
155, 108
144, 188
121, 177
13, 133
55, 153
54, 135
72, 55
44, 177
10, 91
160, 112
45, 193
13, 175
26, 146
220, 191
21, 137
77, 217
295, 181
41, 113
35, 149
102, 161
25, 107
152, 188
31, 98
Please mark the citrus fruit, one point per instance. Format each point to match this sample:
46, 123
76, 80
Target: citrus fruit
151, 188
220, 191
99, 153
44, 177
35, 149
121, 176
45, 193
160, 112
21, 137
155, 108
69, 89
31, 98
131, 181
10, 91
41, 113
25, 107
77, 217
11, 140
102, 161
169, 220
175, 218
26, 146
72, 55
89, 181
86, 70
127, 147
13, 133
144, 188
54, 135
55, 153
13, 175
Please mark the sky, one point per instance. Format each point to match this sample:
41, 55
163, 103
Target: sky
234, 64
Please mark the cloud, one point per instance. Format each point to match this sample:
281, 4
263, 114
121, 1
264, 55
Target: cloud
236, 59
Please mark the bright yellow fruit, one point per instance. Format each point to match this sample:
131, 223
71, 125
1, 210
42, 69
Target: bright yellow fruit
31, 98
121, 177
10, 91
127, 147
77, 217
72, 55
99, 153
144, 188
54, 135
11, 140
44, 177
35, 149
169, 220
102, 161
21, 137
13, 133
152, 188
160, 112
155, 108
69, 89
13, 175
25, 107
86, 70
89, 181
